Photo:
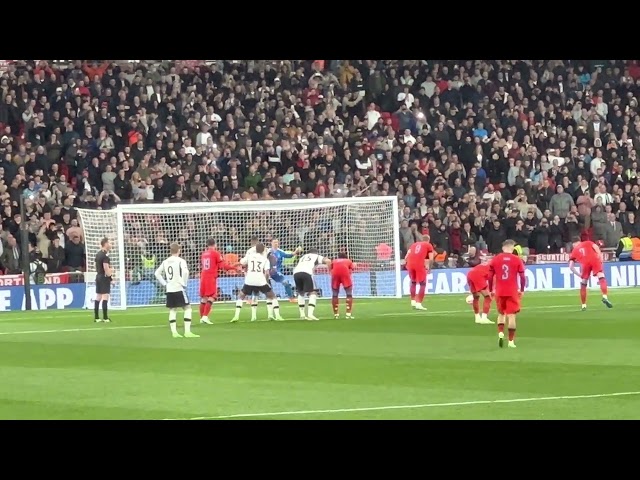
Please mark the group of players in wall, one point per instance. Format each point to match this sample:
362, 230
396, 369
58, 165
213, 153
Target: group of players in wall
502, 278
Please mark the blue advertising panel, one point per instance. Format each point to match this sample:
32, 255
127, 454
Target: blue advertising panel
366, 284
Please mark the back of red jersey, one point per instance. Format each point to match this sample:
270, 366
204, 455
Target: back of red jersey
341, 267
584, 252
506, 268
419, 252
480, 271
210, 262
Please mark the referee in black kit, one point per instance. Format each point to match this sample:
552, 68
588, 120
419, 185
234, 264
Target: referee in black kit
103, 282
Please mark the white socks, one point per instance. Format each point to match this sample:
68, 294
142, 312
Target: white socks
187, 319
238, 307
173, 314
312, 303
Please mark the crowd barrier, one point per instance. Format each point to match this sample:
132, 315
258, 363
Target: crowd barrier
60, 295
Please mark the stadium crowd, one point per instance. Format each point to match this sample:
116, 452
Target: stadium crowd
477, 151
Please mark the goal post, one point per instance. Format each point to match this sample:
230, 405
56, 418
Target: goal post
367, 228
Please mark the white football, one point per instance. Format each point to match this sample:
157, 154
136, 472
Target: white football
469, 299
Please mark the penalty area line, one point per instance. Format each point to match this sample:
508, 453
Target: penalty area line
411, 407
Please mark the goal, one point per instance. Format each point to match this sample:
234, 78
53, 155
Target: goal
366, 228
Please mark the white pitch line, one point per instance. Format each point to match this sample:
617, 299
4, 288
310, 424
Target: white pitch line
94, 329
410, 407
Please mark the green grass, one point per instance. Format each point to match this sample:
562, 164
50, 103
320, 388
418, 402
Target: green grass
388, 363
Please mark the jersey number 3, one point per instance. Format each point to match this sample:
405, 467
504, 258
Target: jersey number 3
505, 272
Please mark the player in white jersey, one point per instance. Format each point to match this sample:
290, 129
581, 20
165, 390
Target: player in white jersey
252, 251
173, 274
256, 281
303, 278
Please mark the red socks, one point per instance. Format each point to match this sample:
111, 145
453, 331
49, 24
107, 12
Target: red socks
476, 305
335, 302
412, 291
512, 334
422, 290
583, 294
486, 305
501, 328
603, 285
349, 304
201, 309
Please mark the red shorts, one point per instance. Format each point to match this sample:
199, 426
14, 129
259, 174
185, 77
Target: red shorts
341, 280
208, 287
508, 305
477, 284
593, 267
417, 273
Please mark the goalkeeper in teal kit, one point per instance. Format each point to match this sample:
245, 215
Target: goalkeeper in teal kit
278, 257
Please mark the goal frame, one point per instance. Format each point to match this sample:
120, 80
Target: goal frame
278, 205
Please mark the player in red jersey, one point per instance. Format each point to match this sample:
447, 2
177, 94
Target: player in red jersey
418, 260
587, 254
341, 269
478, 281
504, 271
211, 262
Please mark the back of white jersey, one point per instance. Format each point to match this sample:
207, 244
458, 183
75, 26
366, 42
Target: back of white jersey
257, 269
175, 273
252, 251
308, 262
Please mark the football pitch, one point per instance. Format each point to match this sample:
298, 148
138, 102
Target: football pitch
390, 362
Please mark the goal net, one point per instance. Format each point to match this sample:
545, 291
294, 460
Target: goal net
365, 228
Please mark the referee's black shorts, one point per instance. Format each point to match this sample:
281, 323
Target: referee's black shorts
103, 285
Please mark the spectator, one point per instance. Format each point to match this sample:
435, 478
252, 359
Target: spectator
613, 232
561, 203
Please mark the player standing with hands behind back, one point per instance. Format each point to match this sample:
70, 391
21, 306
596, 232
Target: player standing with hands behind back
173, 274
104, 275
504, 271
418, 261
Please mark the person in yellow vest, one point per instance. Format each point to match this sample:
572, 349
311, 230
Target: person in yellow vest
521, 252
625, 247
145, 270
635, 249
